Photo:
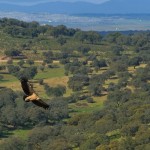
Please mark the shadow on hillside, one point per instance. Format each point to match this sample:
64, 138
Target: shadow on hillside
2, 87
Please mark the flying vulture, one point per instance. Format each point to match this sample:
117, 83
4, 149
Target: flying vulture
30, 94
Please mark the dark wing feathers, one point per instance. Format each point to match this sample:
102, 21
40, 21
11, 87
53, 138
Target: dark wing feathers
28, 90
40, 103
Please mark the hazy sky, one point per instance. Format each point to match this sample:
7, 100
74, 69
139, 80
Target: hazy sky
31, 2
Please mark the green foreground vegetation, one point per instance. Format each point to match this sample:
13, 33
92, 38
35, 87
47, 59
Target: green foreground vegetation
97, 86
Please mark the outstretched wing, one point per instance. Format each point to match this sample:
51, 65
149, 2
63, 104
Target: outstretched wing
40, 103
26, 86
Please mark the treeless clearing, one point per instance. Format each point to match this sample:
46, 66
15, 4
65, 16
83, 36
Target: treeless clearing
131, 68
57, 81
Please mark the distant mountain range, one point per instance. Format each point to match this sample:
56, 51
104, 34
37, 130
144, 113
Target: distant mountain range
109, 7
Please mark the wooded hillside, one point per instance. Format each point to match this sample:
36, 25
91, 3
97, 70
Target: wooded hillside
97, 86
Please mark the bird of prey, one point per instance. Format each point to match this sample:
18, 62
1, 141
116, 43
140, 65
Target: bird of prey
30, 95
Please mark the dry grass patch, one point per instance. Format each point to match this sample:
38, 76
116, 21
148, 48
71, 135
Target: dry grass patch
111, 80
10, 81
57, 81
132, 69
100, 99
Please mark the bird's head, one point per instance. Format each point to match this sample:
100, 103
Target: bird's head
23, 79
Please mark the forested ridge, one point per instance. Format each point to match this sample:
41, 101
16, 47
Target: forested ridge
97, 86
